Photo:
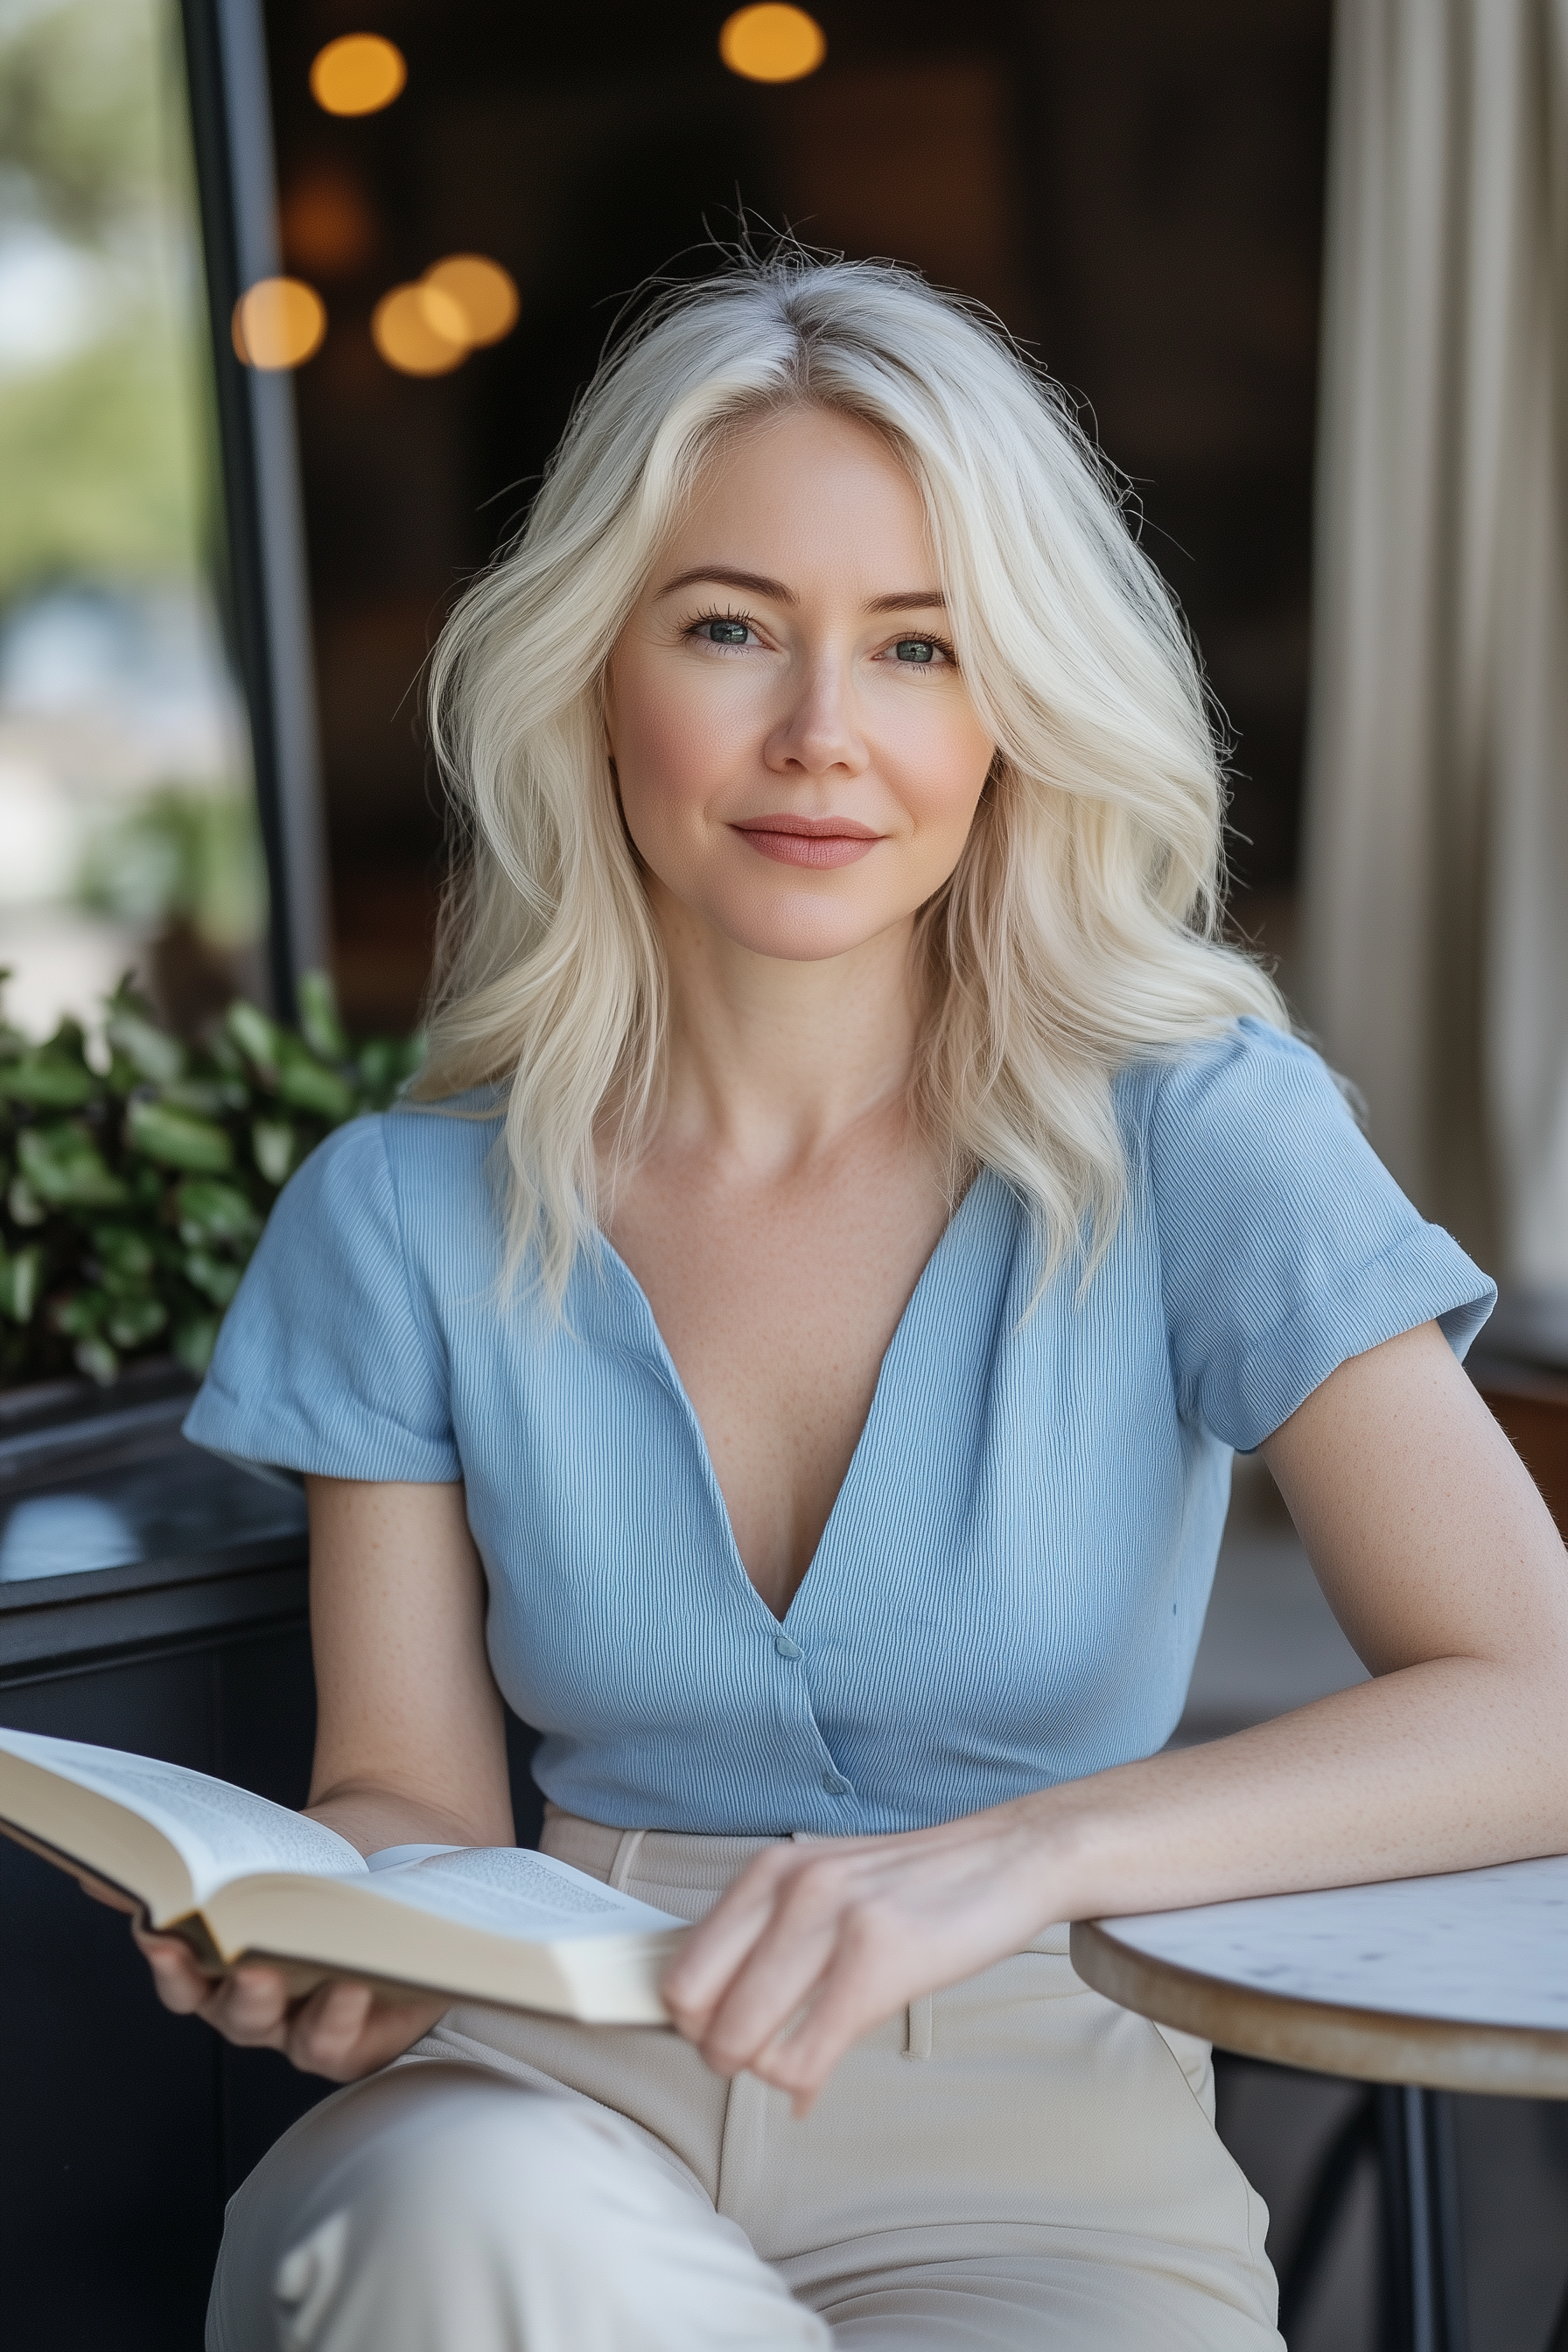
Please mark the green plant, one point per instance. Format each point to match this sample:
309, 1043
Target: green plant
138, 1172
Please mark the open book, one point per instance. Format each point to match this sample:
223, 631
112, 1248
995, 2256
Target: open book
240, 1878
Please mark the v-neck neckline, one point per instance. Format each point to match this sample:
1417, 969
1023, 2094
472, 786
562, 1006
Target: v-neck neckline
665, 1365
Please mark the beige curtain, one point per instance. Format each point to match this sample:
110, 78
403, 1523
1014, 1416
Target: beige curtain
1436, 971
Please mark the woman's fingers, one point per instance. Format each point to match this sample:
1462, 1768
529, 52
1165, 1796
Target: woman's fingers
849, 2001
779, 1977
817, 1945
251, 2006
344, 2031
753, 1975
797, 1889
326, 2029
180, 1982
809, 1991
713, 1952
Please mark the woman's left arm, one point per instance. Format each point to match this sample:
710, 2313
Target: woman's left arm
1442, 1564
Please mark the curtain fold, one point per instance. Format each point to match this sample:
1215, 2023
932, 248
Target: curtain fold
1436, 850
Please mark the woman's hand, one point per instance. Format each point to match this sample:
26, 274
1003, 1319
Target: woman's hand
341, 2030
817, 1943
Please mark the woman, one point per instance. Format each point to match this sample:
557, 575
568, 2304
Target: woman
793, 1352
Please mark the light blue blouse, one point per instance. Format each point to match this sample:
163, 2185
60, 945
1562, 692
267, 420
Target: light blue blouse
1011, 1586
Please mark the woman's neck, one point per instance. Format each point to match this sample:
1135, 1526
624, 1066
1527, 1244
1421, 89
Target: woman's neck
770, 1062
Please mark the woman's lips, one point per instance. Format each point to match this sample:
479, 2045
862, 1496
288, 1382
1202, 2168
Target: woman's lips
816, 841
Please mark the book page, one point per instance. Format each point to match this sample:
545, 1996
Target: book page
514, 1892
218, 1831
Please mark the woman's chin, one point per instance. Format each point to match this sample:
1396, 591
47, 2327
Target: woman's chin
805, 934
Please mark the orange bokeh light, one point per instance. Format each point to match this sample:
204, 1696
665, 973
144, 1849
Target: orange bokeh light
772, 43
419, 331
278, 322
459, 304
482, 291
359, 74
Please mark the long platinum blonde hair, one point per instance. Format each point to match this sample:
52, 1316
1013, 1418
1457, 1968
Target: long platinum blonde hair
1077, 931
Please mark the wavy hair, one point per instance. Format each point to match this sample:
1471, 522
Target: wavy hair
1077, 931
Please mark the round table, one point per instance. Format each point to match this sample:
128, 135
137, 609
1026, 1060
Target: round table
1456, 1983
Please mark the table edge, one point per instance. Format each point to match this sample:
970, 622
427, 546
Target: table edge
1370, 2045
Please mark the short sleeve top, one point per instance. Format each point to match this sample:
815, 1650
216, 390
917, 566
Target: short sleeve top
1011, 1585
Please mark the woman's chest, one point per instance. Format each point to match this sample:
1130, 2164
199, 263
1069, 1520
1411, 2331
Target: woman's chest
1020, 1552
777, 1304
1005, 1457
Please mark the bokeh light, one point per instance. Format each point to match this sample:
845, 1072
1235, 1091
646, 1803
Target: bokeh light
420, 331
330, 226
481, 289
772, 43
359, 74
279, 323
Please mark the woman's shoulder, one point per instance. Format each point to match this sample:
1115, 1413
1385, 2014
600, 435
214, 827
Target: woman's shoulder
1247, 1062
429, 1153
396, 1196
1284, 1244
332, 1357
1245, 1103
430, 1145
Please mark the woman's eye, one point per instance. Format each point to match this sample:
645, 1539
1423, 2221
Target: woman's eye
723, 633
916, 649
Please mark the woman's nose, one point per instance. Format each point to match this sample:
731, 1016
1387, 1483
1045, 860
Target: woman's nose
819, 731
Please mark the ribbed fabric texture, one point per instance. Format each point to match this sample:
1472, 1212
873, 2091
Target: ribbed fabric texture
1010, 1590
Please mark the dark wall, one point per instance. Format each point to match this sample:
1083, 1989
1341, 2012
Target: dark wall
127, 2129
1138, 191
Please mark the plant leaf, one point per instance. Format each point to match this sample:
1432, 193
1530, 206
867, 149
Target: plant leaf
21, 1283
307, 1084
272, 1143
195, 1337
125, 1255
216, 1279
215, 1212
134, 1321
48, 1081
318, 1022
258, 1038
178, 1139
79, 1313
22, 1206
151, 1051
64, 1168
210, 1097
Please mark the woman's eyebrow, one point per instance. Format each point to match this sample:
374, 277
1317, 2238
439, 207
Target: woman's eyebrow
757, 584
753, 584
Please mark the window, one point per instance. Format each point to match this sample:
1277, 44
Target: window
127, 807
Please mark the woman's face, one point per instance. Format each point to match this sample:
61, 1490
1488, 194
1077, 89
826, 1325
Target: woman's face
798, 758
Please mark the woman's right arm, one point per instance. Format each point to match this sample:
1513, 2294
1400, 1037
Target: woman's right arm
410, 1750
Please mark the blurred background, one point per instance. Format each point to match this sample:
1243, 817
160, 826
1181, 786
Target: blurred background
127, 825
1140, 200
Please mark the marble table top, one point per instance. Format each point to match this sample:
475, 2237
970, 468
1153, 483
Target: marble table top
1462, 1980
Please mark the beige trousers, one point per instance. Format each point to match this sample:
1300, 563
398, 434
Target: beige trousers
1013, 2163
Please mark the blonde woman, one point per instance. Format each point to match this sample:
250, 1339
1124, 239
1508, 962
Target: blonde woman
793, 1352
